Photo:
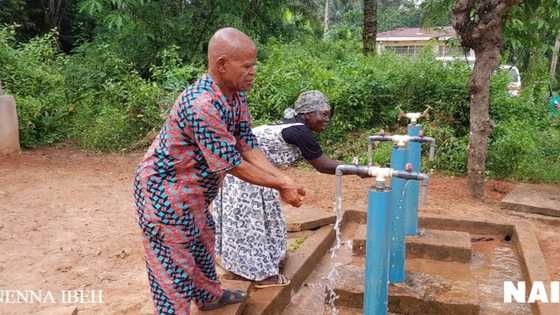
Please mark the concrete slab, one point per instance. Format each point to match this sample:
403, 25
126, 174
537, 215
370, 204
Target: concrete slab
421, 294
300, 219
531, 257
233, 309
432, 244
439, 222
539, 199
9, 132
440, 245
534, 266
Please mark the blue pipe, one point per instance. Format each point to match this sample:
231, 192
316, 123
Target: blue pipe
399, 156
377, 251
414, 153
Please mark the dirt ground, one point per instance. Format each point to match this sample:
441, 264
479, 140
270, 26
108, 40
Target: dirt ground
68, 223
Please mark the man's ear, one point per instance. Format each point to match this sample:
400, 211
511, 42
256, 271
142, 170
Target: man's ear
221, 64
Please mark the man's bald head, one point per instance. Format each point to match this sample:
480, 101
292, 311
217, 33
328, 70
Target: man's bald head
232, 56
228, 42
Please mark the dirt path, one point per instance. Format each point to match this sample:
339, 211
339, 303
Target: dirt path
67, 222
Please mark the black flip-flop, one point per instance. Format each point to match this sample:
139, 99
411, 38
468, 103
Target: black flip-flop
230, 296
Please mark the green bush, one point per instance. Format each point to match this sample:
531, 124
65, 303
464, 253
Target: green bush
32, 72
524, 151
95, 98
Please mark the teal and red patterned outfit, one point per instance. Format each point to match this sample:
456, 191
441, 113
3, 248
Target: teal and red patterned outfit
180, 175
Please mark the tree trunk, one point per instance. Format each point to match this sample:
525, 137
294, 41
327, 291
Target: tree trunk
370, 26
53, 14
480, 124
479, 25
326, 19
554, 60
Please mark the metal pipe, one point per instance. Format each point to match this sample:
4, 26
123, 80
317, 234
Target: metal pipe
352, 169
410, 175
422, 139
370, 153
400, 140
423, 198
345, 169
414, 158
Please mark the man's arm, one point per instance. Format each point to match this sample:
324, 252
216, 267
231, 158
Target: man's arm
259, 160
289, 191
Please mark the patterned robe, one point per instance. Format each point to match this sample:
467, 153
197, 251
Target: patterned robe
250, 227
174, 185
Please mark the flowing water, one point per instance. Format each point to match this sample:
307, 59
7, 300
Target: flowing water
494, 262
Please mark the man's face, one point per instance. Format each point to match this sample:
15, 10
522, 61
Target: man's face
318, 120
240, 69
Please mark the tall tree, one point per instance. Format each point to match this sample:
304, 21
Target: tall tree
554, 59
369, 32
479, 24
326, 19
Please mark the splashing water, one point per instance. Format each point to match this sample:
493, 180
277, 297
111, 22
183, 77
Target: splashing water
331, 277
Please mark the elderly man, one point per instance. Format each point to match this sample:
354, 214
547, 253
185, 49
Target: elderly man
207, 134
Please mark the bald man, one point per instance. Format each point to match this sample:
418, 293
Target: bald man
206, 135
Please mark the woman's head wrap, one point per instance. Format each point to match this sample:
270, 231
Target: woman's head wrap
307, 102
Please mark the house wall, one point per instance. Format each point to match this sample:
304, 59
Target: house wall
440, 48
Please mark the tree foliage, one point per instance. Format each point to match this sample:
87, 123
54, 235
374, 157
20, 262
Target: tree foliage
102, 74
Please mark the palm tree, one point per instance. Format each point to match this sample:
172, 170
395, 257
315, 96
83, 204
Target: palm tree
370, 26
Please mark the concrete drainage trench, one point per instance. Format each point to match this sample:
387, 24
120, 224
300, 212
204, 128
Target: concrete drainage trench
456, 266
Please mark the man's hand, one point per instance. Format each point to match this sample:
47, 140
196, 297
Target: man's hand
292, 194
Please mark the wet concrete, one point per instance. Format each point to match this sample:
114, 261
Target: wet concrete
300, 219
534, 199
431, 244
422, 293
533, 265
492, 263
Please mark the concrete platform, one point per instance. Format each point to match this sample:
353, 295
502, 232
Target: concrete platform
539, 199
300, 219
9, 131
432, 244
421, 294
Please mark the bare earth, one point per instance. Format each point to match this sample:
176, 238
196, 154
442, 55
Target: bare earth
68, 223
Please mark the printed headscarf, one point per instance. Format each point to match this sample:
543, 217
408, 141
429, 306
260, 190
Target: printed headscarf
307, 102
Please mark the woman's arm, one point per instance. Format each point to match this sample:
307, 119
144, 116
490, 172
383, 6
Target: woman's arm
324, 165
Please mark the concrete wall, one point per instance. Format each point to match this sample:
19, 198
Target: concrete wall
9, 132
